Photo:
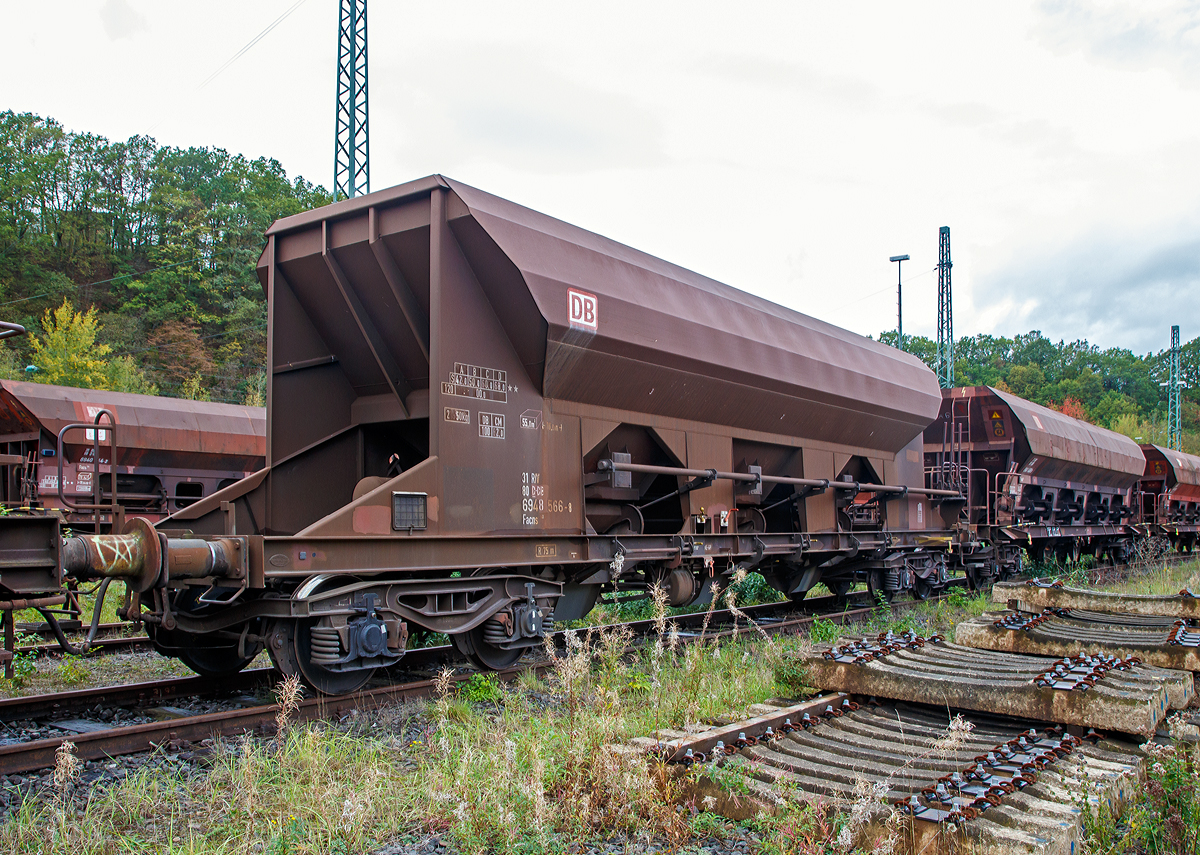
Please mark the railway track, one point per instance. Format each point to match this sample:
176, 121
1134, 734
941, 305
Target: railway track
100, 742
110, 640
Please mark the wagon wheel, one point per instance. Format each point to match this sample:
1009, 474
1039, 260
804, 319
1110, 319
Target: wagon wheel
216, 661
482, 654
207, 655
291, 651
922, 589
290, 647
971, 571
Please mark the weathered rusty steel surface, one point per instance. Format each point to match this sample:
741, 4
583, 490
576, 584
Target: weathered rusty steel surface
134, 555
997, 785
677, 746
1180, 471
1129, 698
1042, 442
153, 431
1058, 635
660, 327
1055, 435
1036, 596
482, 347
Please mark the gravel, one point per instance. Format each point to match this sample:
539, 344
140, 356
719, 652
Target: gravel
99, 773
738, 842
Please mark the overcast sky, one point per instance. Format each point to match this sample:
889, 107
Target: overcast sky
786, 148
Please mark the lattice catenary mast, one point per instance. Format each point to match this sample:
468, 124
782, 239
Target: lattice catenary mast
945, 340
351, 151
1174, 411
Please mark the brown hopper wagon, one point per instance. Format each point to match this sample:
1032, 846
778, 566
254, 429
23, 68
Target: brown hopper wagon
170, 452
1169, 495
479, 417
1035, 479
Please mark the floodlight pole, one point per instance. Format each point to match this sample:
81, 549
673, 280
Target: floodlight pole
899, 306
1174, 415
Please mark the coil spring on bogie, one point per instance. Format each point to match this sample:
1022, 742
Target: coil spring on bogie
494, 632
324, 645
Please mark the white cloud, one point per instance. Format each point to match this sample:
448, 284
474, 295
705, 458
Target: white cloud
120, 19
787, 148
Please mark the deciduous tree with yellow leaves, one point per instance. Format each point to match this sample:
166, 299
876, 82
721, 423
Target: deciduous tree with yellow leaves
67, 354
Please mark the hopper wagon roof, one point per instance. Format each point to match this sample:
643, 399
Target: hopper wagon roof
1057, 436
668, 341
146, 424
1186, 467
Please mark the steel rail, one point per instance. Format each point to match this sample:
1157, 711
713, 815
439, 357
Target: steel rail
158, 691
39, 754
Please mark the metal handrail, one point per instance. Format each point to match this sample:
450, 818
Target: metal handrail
96, 505
8, 330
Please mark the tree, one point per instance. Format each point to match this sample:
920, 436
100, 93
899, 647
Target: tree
67, 354
1026, 381
1072, 407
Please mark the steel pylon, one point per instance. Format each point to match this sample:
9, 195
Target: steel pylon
945, 339
351, 149
1174, 397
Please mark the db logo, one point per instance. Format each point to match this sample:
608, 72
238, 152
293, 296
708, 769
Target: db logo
581, 310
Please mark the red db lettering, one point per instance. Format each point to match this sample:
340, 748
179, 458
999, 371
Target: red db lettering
582, 310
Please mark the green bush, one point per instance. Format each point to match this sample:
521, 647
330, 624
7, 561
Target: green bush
1168, 819
482, 689
958, 598
24, 665
824, 631
791, 677
72, 671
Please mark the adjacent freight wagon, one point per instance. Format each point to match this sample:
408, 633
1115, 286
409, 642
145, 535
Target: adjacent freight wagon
1169, 496
1034, 479
169, 452
479, 417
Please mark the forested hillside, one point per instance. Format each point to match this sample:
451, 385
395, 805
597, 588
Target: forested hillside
155, 246
1114, 388
133, 266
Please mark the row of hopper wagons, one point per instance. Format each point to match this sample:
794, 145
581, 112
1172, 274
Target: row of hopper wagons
479, 418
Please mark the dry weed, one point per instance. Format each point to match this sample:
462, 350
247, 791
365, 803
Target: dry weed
287, 695
66, 767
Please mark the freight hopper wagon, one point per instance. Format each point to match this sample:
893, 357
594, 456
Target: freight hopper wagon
57, 449
60, 450
480, 417
1035, 479
1169, 496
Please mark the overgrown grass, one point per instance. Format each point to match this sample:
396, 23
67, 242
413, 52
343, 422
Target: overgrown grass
1165, 819
750, 590
491, 767
514, 768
